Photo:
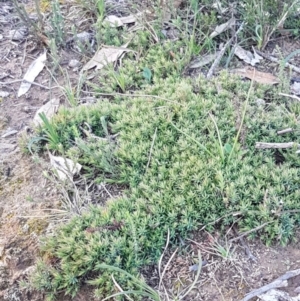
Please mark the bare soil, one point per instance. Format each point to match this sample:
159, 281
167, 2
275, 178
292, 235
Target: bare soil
26, 199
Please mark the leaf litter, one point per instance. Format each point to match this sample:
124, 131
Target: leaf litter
223, 27
65, 168
257, 76
247, 56
49, 109
104, 56
33, 71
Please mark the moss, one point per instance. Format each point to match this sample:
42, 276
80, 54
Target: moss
192, 178
37, 225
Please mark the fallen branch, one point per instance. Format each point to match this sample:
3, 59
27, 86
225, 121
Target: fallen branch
279, 282
266, 145
250, 231
221, 53
278, 61
291, 96
285, 131
151, 149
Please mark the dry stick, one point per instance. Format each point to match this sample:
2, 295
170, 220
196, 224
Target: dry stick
266, 145
151, 149
221, 53
134, 95
291, 96
279, 282
233, 214
120, 288
250, 231
285, 131
278, 61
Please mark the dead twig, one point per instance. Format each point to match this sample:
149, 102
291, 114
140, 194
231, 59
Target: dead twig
279, 282
285, 131
233, 214
290, 95
250, 231
221, 53
133, 95
267, 145
276, 60
151, 149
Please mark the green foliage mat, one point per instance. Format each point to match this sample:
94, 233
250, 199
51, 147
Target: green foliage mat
179, 174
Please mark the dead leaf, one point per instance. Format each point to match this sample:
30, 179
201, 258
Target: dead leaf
104, 56
114, 21
258, 76
204, 60
64, 167
247, 56
33, 71
44, 39
218, 6
130, 18
221, 28
49, 108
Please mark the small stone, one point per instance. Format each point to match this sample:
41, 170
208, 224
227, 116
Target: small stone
4, 94
90, 99
1, 37
18, 34
295, 88
26, 109
260, 102
74, 63
25, 228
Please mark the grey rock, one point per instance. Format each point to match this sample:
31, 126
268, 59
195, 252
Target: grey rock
74, 63
260, 102
18, 34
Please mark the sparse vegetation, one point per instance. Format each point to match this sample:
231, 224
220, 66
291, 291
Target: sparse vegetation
183, 146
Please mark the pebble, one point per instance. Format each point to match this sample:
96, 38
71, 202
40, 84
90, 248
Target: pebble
4, 94
74, 63
260, 102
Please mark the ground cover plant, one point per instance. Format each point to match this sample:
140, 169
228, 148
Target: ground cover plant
193, 176
184, 148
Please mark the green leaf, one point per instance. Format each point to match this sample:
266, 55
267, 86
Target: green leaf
147, 74
227, 148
